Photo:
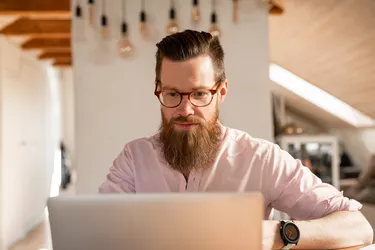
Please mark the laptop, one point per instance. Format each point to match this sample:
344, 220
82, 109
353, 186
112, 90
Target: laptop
173, 221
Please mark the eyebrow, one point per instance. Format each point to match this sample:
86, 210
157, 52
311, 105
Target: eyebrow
193, 89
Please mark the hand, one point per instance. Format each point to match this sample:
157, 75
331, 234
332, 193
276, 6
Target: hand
271, 235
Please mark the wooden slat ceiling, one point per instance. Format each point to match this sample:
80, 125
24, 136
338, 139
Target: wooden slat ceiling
46, 26
39, 7
38, 27
331, 44
42, 25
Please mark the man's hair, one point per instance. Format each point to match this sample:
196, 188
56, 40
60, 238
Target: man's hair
189, 44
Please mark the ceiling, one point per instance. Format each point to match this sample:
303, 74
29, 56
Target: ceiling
330, 44
44, 27
40, 27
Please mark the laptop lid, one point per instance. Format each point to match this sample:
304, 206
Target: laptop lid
199, 221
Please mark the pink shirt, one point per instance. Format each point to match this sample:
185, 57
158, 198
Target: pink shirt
243, 164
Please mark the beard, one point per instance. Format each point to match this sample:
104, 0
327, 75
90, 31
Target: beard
190, 149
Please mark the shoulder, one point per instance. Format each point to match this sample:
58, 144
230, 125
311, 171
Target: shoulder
244, 142
141, 146
143, 143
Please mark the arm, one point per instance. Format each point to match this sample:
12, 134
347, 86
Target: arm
325, 217
120, 178
338, 230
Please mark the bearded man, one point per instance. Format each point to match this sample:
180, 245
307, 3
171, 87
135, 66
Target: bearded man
195, 152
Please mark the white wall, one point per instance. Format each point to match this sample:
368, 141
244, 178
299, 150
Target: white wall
1, 165
67, 108
309, 126
29, 135
114, 98
67, 111
359, 143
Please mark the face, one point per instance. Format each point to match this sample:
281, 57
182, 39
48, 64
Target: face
186, 76
190, 135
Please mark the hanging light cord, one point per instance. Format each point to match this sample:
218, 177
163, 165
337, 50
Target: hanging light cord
124, 26
123, 10
104, 17
78, 9
103, 7
172, 12
142, 15
213, 14
213, 4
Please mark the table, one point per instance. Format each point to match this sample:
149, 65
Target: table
353, 248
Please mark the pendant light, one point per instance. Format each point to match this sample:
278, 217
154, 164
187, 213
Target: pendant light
124, 46
195, 13
104, 21
143, 19
214, 29
172, 26
78, 9
91, 11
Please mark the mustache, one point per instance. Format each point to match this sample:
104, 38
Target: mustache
191, 119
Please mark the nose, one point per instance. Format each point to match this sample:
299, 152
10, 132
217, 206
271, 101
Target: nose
185, 108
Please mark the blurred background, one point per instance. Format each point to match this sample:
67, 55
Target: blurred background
76, 84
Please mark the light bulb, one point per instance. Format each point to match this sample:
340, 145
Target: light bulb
214, 30
172, 27
104, 29
125, 47
195, 11
104, 32
143, 28
196, 14
91, 11
143, 24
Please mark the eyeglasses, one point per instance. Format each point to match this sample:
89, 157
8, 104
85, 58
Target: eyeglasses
172, 98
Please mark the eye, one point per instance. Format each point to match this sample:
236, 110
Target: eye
170, 94
200, 94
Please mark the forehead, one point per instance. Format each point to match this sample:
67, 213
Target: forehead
186, 75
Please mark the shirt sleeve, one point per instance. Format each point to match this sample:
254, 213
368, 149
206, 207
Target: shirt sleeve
295, 190
120, 178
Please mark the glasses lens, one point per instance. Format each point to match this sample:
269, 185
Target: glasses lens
201, 97
169, 98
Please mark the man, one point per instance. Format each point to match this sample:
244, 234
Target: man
194, 152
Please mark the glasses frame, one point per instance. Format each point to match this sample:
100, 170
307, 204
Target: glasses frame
182, 94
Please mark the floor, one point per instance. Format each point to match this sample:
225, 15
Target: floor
37, 239
40, 237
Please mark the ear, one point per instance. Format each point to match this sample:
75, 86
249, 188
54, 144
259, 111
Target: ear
223, 91
157, 84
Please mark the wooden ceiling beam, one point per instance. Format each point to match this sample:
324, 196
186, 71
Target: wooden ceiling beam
55, 54
62, 62
45, 43
27, 7
38, 27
